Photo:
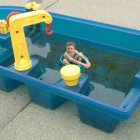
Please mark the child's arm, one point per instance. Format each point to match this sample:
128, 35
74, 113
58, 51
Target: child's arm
84, 58
71, 59
81, 55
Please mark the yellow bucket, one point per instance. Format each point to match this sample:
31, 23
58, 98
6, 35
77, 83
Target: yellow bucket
70, 74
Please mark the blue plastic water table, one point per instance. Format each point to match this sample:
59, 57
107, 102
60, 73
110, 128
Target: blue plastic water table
92, 112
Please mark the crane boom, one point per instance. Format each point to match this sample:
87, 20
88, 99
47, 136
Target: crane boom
16, 26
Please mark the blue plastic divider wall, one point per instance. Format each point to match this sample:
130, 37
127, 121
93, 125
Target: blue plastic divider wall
117, 111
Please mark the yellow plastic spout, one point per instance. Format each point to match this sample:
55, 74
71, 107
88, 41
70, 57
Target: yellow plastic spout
33, 6
3, 27
70, 74
16, 26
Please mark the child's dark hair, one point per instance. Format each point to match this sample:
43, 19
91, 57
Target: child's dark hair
71, 43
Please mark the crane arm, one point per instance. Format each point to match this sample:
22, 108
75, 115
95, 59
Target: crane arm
29, 18
16, 26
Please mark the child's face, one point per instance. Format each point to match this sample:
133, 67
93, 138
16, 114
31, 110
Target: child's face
70, 49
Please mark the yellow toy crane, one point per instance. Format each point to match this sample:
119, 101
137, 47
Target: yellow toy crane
16, 23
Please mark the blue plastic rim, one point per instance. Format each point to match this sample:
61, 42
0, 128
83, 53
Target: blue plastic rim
92, 112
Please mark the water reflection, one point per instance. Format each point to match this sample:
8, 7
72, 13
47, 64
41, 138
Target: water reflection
36, 49
113, 70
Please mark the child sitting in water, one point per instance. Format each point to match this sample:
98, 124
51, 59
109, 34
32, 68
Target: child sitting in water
73, 56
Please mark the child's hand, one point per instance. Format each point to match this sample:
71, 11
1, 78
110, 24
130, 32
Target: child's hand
87, 65
81, 55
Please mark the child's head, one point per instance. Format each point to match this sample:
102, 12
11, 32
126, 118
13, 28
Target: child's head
70, 46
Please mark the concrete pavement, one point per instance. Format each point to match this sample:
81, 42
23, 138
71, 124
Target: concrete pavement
11, 104
123, 13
